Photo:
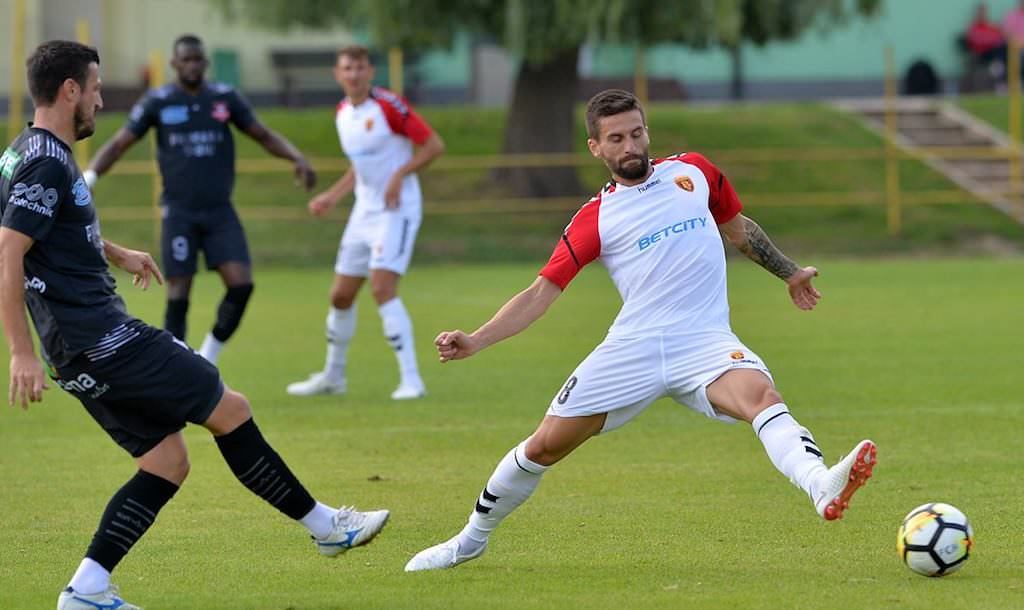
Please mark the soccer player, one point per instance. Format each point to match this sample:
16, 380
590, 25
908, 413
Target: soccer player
197, 161
386, 143
140, 384
657, 228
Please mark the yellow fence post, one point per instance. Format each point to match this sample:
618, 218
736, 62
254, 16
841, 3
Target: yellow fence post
16, 96
395, 77
156, 79
82, 148
1013, 104
640, 74
894, 218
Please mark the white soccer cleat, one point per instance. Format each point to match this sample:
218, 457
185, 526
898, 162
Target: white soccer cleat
110, 599
442, 556
845, 478
409, 391
317, 383
351, 528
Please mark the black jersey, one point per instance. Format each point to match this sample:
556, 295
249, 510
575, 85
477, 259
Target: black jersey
68, 287
194, 145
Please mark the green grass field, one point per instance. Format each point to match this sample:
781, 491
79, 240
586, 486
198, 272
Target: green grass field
673, 511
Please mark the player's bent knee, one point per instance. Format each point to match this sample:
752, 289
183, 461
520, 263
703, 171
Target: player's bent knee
383, 294
341, 300
232, 411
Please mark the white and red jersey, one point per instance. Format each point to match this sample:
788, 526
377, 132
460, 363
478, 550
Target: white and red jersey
660, 243
377, 136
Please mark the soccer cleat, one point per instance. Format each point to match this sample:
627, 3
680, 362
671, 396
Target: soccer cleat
442, 556
409, 391
317, 383
845, 478
351, 528
110, 599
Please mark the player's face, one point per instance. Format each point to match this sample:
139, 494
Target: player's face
354, 76
623, 144
190, 63
89, 103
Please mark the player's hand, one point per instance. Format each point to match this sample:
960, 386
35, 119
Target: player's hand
321, 204
455, 345
804, 295
392, 195
142, 267
28, 380
304, 174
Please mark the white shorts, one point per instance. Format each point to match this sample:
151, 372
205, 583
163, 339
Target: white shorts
621, 377
377, 240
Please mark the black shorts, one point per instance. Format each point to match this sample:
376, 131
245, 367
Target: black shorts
146, 390
216, 231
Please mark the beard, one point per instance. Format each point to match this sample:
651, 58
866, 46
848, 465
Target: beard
84, 126
632, 171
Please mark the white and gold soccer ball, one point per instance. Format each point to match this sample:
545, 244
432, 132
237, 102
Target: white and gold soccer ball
935, 539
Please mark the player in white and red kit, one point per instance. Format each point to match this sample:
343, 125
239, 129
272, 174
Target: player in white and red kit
386, 143
657, 227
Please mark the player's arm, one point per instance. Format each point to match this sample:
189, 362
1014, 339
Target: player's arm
750, 239
425, 153
325, 201
279, 146
514, 317
27, 380
108, 154
140, 264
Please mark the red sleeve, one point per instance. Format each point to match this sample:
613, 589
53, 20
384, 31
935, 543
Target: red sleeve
580, 244
723, 201
402, 119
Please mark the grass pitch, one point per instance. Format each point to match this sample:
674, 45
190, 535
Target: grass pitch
673, 511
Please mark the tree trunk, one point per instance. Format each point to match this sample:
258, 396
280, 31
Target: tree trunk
736, 86
541, 120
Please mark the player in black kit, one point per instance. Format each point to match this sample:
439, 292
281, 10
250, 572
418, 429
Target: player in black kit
141, 384
197, 160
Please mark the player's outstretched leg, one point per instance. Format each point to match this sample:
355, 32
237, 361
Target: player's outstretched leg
513, 481
341, 326
262, 471
844, 479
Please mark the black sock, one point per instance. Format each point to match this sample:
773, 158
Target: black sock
174, 317
128, 515
257, 466
230, 310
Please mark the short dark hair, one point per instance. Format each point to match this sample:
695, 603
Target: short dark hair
54, 62
608, 103
355, 52
186, 39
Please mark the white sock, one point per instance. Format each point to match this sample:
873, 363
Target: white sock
790, 446
320, 520
341, 326
398, 330
512, 483
211, 348
90, 578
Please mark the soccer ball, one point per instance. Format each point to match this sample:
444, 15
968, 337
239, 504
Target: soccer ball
935, 539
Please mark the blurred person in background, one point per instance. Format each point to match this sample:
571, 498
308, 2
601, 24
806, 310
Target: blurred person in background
196, 152
386, 142
986, 43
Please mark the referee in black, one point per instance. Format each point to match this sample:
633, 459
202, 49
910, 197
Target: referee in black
196, 154
140, 384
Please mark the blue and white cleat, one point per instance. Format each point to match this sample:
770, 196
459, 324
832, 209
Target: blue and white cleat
110, 599
351, 529
442, 556
845, 478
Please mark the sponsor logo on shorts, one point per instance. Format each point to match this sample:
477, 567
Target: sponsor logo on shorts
684, 183
83, 384
736, 355
34, 283
35, 198
678, 228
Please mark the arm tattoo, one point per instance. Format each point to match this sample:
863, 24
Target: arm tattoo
762, 251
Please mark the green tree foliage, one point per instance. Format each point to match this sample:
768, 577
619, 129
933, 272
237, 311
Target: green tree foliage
547, 36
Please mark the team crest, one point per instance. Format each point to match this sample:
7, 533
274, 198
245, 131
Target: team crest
734, 355
369, 124
686, 184
220, 112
